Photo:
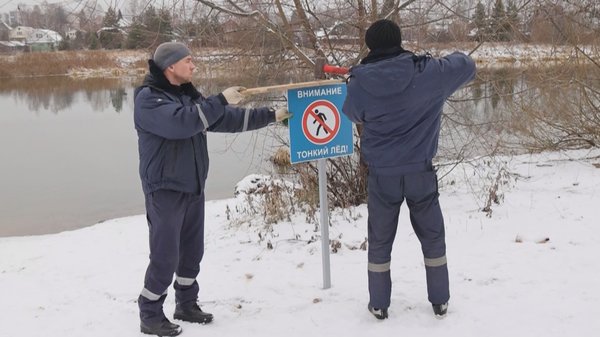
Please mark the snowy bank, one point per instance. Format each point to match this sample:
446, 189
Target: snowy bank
528, 270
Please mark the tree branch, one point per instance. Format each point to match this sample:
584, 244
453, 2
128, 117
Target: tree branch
271, 27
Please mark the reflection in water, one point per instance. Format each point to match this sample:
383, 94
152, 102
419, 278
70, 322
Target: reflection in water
503, 110
509, 110
58, 93
69, 154
116, 98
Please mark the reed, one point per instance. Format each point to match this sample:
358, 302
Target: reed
54, 63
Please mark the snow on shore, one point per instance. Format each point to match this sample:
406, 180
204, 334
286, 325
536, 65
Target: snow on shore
531, 269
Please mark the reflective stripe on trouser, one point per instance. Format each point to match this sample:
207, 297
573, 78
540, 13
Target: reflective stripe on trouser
437, 280
176, 225
386, 194
380, 284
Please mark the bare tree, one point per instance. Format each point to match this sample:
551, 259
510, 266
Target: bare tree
279, 40
335, 30
570, 115
314, 21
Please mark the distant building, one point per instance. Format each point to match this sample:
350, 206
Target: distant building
115, 30
20, 33
44, 40
339, 33
72, 33
231, 31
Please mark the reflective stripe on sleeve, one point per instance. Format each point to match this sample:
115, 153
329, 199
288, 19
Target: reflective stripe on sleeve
379, 267
150, 295
437, 262
202, 117
185, 281
246, 119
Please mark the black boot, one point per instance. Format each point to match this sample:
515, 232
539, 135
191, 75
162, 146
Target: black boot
161, 328
378, 313
440, 310
192, 314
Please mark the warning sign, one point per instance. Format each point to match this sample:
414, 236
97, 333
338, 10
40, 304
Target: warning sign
321, 122
319, 129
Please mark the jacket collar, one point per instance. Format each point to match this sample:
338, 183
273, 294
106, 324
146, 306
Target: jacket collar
157, 79
377, 55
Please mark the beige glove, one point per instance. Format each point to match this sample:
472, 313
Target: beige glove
282, 114
233, 94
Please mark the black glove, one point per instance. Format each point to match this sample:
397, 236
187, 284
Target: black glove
189, 90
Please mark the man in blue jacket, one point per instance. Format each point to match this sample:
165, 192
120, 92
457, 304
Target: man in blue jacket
398, 97
171, 119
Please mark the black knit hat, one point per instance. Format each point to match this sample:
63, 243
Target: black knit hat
383, 34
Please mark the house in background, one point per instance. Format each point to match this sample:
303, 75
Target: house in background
43, 40
7, 46
73, 33
20, 33
339, 33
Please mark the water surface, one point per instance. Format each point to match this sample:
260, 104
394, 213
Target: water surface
69, 155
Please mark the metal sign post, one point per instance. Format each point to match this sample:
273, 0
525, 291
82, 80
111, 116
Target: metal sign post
324, 206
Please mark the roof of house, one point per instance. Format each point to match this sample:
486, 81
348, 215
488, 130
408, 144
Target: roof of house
5, 25
12, 43
48, 36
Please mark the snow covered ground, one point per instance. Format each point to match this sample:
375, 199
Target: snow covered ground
531, 269
497, 54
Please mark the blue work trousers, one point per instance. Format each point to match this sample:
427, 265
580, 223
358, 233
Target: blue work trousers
387, 188
176, 226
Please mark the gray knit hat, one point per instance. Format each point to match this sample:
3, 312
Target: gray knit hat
168, 53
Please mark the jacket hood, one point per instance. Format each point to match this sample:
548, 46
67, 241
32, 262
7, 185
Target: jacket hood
387, 77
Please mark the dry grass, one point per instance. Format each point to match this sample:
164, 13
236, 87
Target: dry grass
54, 63
57, 85
281, 158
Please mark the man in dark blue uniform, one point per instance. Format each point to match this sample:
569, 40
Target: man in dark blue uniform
171, 119
398, 98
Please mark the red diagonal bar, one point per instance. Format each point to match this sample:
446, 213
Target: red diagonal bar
320, 121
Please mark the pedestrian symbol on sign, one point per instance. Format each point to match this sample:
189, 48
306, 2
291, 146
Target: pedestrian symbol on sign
321, 122
321, 119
